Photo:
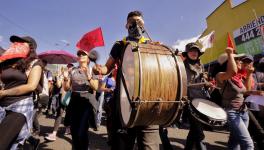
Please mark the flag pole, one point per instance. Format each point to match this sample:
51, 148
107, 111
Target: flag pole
261, 31
211, 55
207, 42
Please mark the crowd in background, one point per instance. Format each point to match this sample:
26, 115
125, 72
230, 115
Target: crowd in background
85, 93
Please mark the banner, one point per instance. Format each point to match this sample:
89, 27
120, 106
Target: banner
249, 37
207, 41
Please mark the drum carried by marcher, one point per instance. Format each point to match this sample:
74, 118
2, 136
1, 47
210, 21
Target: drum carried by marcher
152, 84
208, 112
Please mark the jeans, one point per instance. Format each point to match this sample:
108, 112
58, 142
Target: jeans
55, 103
36, 126
58, 119
239, 136
100, 98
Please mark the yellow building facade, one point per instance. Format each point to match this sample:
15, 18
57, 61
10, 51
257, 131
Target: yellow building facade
244, 22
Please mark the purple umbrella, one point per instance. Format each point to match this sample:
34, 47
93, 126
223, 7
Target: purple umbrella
57, 57
2, 50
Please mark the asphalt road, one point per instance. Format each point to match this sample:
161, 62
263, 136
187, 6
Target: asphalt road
216, 140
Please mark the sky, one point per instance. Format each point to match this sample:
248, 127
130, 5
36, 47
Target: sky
59, 24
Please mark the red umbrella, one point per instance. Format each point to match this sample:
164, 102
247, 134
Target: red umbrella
57, 57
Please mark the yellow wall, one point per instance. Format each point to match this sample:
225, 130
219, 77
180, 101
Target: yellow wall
227, 19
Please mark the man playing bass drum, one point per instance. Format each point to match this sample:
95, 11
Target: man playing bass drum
124, 139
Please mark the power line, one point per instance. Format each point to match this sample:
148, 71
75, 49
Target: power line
22, 28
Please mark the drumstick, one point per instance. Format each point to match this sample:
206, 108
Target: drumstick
216, 87
201, 84
255, 92
197, 84
260, 83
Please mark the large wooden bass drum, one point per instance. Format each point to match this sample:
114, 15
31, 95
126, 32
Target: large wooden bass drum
151, 85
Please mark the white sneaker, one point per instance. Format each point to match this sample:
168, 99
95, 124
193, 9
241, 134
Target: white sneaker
50, 137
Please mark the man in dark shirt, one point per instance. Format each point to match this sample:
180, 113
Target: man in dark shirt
147, 136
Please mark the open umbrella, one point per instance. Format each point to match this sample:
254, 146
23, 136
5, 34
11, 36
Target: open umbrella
2, 50
58, 57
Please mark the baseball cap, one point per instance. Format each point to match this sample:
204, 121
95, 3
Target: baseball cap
248, 57
261, 61
223, 57
69, 65
27, 39
82, 51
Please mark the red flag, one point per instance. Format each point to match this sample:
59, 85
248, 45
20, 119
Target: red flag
229, 41
91, 40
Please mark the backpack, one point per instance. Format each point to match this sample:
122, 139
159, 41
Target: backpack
42, 90
65, 100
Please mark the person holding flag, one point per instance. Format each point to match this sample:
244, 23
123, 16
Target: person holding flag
124, 138
233, 90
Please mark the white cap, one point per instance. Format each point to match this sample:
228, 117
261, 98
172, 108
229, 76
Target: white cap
223, 57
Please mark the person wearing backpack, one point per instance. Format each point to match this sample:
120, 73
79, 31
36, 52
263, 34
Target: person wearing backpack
61, 107
20, 77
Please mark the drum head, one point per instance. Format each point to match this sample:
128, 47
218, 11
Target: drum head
209, 109
128, 66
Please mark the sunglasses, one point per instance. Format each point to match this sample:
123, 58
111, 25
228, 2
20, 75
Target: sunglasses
81, 54
247, 61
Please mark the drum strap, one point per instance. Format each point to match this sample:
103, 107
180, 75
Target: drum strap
180, 80
224, 89
141, 40
126, 90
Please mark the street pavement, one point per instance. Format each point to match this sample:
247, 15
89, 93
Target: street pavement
216, 140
